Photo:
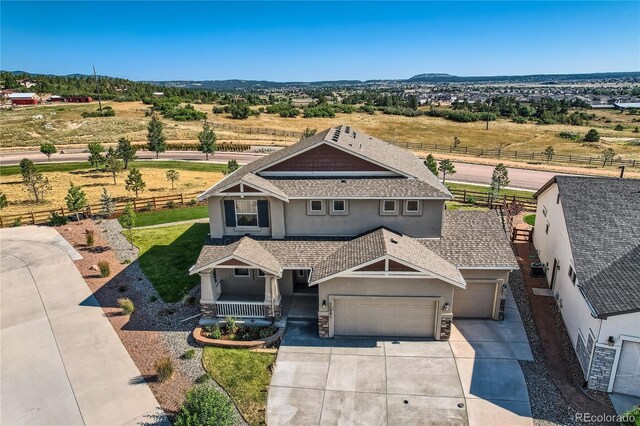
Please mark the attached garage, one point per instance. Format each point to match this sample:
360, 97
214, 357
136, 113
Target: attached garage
384, 316
627, 379
476, 301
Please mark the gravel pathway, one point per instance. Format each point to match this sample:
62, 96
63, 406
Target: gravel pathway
169, 319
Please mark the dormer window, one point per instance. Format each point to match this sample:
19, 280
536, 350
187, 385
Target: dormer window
246, 213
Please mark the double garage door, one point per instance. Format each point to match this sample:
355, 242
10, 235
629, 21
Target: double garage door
476, 301
384, 316
627, 379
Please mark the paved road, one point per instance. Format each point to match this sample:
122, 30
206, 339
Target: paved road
473, 173
61, 361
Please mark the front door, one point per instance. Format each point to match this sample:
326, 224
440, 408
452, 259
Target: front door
554, 272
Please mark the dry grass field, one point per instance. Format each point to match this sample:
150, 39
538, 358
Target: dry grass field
63, 124
92, 183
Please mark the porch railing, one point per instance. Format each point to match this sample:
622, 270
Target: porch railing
240, 309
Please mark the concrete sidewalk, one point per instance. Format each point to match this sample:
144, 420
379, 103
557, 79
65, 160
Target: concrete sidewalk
62, 362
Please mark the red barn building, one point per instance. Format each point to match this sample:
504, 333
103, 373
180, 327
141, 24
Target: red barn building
78, 99
23, 99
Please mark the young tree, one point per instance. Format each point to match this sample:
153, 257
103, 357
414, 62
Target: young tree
134, 181
308, 132
172, 176
207, 138
239, 111
95, 154
592, 136
3, 200
431, 164
456, 141
128, 220
112, 163
126, 152
499, 179
34, 182
549, 152
107, 204
446, 167
413, 102
76, 199
607, 156
156, 141
232, 166
47, 148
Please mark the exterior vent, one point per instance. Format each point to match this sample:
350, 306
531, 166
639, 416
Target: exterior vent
394, 241
347, 129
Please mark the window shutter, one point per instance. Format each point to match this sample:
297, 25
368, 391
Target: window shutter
263, 213
230, 213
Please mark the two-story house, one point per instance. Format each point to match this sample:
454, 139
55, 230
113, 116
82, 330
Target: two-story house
587, 233
360, 223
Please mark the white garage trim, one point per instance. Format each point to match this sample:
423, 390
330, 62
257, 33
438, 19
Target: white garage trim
616, 361
437, 301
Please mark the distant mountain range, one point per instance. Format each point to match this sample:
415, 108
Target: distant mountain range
434, 78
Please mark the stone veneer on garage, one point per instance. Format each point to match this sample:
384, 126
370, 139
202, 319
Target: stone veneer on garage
601, 367
323, 324
445, 327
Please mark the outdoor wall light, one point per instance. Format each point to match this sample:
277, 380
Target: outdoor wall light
611, 341
446, 307
324, 304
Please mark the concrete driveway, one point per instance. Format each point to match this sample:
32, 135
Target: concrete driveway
62, 362
475, 379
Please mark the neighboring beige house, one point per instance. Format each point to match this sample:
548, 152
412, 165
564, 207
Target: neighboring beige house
587, 233
362, 226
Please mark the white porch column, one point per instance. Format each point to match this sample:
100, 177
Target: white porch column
267, 288
277, 218
207, 288
275, 289
216, 221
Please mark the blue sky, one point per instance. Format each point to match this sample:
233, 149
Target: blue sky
318, 40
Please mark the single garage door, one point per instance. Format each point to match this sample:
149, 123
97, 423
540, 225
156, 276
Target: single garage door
628, 373
384, 316
476, 301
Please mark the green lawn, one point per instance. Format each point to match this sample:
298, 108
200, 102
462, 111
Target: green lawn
530, 219
456, 205
486, 189
245, 375
82, 165
167, 253
171, 215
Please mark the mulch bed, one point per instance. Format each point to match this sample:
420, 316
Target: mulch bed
559, 357
139, 336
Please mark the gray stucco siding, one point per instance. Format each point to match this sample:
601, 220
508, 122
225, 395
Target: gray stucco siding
252, 285
363, 215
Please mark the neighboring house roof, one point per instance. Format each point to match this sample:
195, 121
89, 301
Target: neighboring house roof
381, 243
353, 142
603, 222
471, 239
22, 95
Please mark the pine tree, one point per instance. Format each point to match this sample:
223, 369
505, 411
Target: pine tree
207, 138
431, 164
126, 152
128, 220
156, 141
95, 154
112, 163
3, 200
76, 199
107, 203
446, 168
499, 179
134, 181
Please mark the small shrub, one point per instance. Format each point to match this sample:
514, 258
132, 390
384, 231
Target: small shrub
619, 127
171, 204
56, 219
471, 199
205, 405
267, 332
188, 299
17, 222
193, 201
126, 305
189, 354
105, 268
90, 237
202, 379
230, 324
148, 206
214, 331
164, 369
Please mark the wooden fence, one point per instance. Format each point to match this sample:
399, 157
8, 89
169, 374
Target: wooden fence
138, 204
487, 199
256, 130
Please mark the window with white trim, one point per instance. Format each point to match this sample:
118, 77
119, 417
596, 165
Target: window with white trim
389, 206
544, 211
246, 213
315, 205
241, 272
339, 206
412, 206
572, 274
